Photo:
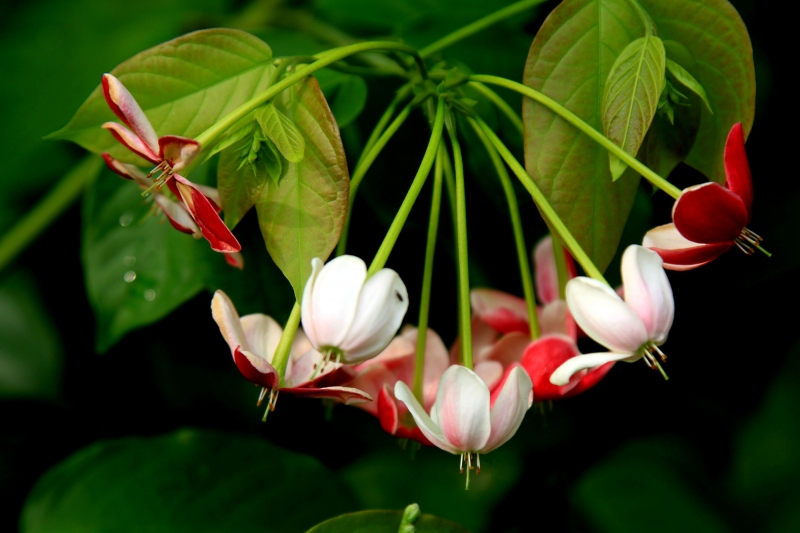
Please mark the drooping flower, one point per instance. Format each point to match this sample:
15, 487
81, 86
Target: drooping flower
170, 154
632, 329
710, 219
466, 419
348, 316
377, 377
253, 340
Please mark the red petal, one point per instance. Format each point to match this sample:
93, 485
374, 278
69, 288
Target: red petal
709, 214
124, 105
689, 258
214, 230
235, 260
387, 411
177, 151
737, 169
346, 395
177, 215
268, 380
129, 172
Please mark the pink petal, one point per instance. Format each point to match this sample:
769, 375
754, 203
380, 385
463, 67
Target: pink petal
709, 214
508, 350
427, 426
235, 259
647, 291
509, 409
604, 316
228, 321
256, 369
123, 104
462, 409
491, 372
502, 311
737, 169
177, 151
391, 417
564, 373
129, 172
213, 229
177, 215
555, 319
131, 141
346, 395
483, 338
545, 269
679, 253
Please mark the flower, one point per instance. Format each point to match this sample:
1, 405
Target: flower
253, 340
377, 377
465, 420
347, 315
170, 154
632, 329
709, 219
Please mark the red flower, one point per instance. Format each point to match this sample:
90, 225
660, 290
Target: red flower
710, 219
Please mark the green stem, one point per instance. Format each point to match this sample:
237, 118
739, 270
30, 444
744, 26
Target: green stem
450, 183
57, 200
561, 267
325, 59
281, 358
573, 119
478, 25
519, 235
416, 186
545, 208
501, 104
463, 255
427, 279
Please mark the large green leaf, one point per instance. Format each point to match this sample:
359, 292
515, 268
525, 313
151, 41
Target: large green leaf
191, 480
184, 86
631, 95
138, 267
709, 40
570, 61
384, 522
30, 352
302, 215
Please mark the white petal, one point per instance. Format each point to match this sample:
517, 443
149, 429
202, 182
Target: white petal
382, 304
436, 362
330, 299
602, 314
303, 369
262, 334
462, 409
647, 291
227, 319
544, 261
300, 345
509, 408
424, 422
571, 366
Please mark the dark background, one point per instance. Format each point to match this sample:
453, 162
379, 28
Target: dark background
717, 439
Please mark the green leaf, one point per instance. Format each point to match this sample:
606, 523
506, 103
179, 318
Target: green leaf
282, 131
30, 351
184, 86
302, 216
631, 95
384, 522
570, 60
709, 39
190, 480
138, 267
648, 486
688, 81
346, 93
242, 172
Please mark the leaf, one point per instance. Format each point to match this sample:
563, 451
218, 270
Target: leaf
241, 181
190, 480
709, 39
631, 95
138, 268
619, 494
683, 76
30, 351
184, 86
302, 216
346, 93
570, 60
280, 130
384, 522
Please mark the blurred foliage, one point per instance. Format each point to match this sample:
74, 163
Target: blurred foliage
384, 522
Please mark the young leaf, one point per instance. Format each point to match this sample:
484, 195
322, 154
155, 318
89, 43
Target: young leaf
190, 480
384, 522
716, 49
683, 76
302, 215
569, 61
184, 86
631, 95
282, 131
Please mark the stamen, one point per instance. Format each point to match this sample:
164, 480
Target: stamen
461, 465
661, 354
261, 396
478, 459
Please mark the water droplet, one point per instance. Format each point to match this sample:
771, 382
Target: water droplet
125, 219
129, 260
129, 276
149, 295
